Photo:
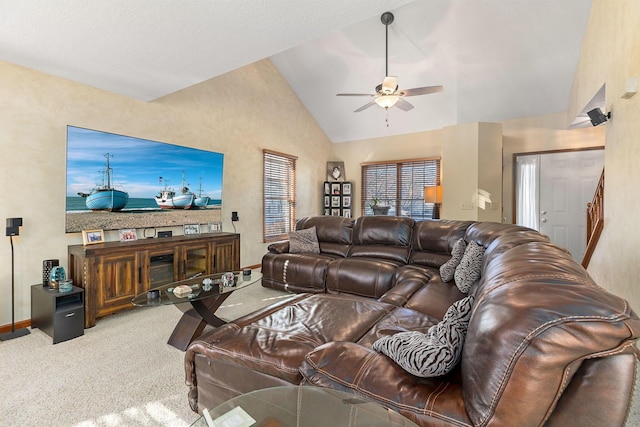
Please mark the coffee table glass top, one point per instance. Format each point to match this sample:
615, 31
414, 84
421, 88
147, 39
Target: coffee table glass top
302, 406
196, 288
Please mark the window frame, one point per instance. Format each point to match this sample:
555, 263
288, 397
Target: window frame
399, 188
273, 194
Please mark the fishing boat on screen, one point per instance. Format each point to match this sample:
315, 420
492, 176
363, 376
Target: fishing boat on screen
104, 197
201, 201
169, 199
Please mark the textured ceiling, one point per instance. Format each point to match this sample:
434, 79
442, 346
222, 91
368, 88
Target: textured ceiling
497, 59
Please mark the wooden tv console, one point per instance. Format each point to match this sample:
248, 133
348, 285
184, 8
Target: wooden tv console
113, 273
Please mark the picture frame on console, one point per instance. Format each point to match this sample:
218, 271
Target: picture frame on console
128, 235
191, 229
91, 237
215, 227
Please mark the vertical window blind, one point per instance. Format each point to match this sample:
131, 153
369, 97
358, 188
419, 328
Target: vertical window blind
399, 185
279, 197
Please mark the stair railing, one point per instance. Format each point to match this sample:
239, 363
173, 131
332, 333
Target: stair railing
595, 221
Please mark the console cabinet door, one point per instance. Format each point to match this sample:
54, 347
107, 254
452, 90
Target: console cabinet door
226, 255
194, 261
159, 266
116, 282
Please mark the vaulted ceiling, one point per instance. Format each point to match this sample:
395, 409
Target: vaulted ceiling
497, 59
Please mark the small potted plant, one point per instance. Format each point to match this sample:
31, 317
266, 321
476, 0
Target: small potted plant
377, 208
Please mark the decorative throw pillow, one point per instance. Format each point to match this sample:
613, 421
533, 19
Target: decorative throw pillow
468, 271
437, 351
304, 241
448, 268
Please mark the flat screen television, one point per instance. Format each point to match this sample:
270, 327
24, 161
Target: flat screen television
117, 182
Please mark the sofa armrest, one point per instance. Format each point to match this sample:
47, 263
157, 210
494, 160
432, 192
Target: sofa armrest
356, 369
279, 247
401, 293
408, 281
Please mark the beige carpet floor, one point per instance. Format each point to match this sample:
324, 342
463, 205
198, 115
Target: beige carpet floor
119, 373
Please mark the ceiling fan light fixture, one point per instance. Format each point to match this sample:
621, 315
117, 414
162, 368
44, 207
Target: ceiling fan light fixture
386, 101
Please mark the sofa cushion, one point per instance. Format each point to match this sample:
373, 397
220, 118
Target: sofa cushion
448, 269
435, 352
368, 277
470, 267
334, 233
304, 241
383, 237
370, 375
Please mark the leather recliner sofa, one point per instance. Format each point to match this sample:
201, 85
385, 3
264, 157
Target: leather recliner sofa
545, 345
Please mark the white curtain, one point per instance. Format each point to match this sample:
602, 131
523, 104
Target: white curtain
527, 189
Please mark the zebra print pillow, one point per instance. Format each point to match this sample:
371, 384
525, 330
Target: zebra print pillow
448, 268
468, 271
437, 351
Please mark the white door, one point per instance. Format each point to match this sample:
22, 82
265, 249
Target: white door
567, 182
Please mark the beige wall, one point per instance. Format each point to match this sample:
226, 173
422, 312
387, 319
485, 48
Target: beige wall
610, 56
471, 172
464, 161
540, 134
399, 147
238, 114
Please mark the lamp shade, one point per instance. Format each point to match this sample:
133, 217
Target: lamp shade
433, 194
386, 101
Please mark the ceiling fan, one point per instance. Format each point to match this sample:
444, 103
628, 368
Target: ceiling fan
387, 94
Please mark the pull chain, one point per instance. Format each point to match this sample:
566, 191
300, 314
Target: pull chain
387, 116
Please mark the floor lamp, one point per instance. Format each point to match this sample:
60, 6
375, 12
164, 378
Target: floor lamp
13, 229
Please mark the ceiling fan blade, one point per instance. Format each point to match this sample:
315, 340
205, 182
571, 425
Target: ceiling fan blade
403, 105
389, 84
420, 90
354, 94
365, 106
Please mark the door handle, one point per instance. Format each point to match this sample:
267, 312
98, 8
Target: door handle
543, 212
543, 220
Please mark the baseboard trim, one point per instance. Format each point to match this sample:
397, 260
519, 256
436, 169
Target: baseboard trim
254, 266
19, 325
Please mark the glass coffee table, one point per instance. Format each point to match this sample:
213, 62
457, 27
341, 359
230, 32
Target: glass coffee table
301, 406
202, 297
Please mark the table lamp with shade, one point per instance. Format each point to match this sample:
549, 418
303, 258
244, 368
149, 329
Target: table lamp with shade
433, 194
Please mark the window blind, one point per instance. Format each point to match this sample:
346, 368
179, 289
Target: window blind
279, 196
400, 185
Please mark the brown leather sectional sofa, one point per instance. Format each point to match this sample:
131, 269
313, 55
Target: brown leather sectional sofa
545, 345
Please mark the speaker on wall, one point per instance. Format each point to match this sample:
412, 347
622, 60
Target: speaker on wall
13, 226
597, 117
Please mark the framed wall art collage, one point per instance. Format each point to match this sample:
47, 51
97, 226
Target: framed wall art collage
337, 198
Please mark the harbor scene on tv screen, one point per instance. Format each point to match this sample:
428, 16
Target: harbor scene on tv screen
119, 182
